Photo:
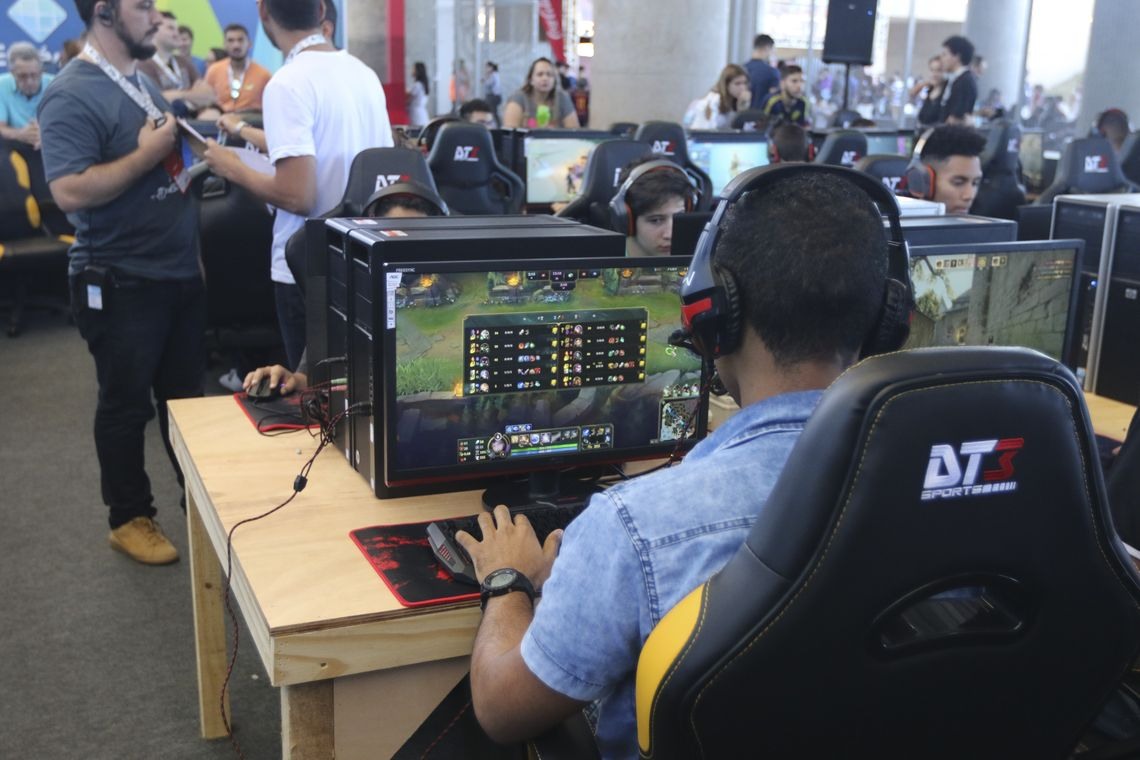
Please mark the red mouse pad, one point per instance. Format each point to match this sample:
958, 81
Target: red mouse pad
280, 414
401, 556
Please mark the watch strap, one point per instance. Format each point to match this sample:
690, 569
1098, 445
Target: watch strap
520, 583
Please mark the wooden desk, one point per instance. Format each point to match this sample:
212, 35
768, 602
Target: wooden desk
328, 631
1109, 417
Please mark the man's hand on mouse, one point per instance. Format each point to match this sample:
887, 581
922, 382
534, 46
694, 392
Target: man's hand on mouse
510, 543
279, 377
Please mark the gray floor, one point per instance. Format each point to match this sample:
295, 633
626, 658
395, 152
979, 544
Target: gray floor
96, 651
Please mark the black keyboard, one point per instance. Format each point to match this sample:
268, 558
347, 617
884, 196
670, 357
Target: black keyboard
455, 559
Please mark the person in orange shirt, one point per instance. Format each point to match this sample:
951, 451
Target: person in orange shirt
238, 80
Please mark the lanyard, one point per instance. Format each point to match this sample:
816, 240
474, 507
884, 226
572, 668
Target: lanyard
311, 41
172, 72
138, 94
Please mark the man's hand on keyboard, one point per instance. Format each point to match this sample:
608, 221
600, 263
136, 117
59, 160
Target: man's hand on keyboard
510, 544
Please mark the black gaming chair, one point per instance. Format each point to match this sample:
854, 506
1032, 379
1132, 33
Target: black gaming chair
600, 180
468, 173
887, 168
844, 118
904, 593
623, 129
750, 120
1130, 158
668, 139
1000, 193
842, 147
1088, 165
33, 254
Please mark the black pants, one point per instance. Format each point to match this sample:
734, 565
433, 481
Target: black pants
147, 339
291, 319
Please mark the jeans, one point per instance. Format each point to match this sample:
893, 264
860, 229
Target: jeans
147, 339
291, 320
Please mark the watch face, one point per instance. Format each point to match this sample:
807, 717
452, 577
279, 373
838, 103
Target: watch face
500, 579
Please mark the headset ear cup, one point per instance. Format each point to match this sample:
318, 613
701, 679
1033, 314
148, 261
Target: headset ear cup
920, 181
810, 150
893, 326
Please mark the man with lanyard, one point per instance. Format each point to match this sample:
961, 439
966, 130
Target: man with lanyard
113, 163
237, 81
175, 73
321, 108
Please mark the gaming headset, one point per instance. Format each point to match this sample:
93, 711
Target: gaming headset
774, 156
408, 187
621, 215
920, 177
711, 311
105, 15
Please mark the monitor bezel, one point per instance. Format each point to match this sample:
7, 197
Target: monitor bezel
1014, 246
465, 476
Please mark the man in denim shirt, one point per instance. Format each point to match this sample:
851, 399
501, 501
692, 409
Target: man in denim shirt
810, 294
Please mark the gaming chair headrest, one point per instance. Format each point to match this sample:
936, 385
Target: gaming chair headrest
601, 179
888, 169
1003, 147
376, 168
666, 138
842, 147
1089, 165
465, 152
407, 188
427, 135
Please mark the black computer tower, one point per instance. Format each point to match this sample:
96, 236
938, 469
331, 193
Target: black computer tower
1118, 375
429, 240
957, 229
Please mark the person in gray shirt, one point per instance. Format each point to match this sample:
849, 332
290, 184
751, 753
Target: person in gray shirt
113, 162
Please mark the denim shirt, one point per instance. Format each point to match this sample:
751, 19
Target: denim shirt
642, 546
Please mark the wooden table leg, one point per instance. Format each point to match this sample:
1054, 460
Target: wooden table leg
209, 624
307, 721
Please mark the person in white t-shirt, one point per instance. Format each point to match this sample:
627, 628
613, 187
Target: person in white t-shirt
321, 108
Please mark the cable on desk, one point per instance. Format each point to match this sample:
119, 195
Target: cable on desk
299, 484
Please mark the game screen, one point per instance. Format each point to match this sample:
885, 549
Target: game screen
554, 168
504, 366
1004, 298
892, 144
724, 160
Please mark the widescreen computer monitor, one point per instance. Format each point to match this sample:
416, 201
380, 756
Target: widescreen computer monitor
500, 367
886, 143
723, 155
556, 163
999, 294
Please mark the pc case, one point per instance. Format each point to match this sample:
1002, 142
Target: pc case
1118, 371
432, 240
1091, 218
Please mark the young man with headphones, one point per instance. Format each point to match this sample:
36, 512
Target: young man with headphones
789, 143
781, 310
947, 168
652, 190
111, 157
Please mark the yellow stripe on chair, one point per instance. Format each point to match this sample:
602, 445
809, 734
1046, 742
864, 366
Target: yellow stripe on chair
665, 643
1, 250
32, 209
69, 239
23, 176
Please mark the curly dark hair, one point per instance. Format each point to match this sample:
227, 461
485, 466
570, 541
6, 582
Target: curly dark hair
952, 140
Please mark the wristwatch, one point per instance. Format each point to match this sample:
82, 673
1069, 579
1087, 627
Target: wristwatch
239, 127
504, 581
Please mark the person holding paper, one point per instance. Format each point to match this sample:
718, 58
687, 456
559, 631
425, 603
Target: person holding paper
112, 160
321, 108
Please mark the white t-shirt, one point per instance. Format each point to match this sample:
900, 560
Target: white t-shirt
328, 105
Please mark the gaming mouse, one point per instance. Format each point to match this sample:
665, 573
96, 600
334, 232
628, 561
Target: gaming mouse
264, 390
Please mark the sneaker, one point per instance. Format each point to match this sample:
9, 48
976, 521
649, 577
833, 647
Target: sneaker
231, 381
143, 541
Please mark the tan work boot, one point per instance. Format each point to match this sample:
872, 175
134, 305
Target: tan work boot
143, 541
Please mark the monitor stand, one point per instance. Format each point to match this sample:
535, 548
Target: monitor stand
547, 488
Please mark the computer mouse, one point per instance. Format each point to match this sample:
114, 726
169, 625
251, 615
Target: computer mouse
451, 556
264, 390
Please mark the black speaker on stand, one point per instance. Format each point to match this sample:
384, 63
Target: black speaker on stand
850, 35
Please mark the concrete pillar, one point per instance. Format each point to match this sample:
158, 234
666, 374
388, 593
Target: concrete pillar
652, 59
743, 22
1110, 81
1000, 32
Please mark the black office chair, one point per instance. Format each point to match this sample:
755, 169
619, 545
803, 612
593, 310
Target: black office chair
1130, 158
468, 173
842, 147
623, 129
1088, 165
668, 139
1000, 193
904, 594
600, 180
844, 118
33, 257
887, 168
750, 120
237, 236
